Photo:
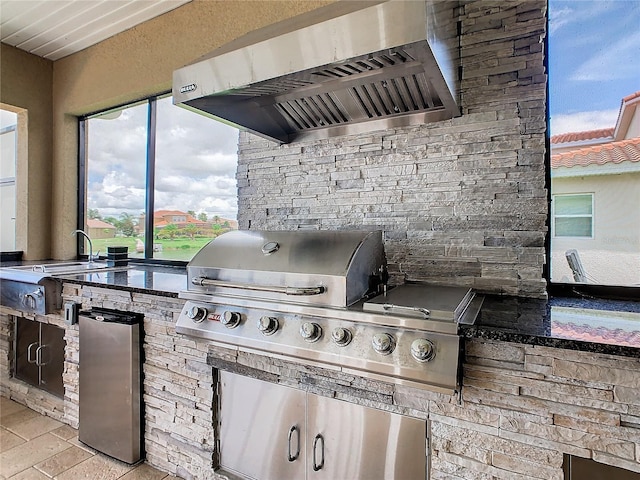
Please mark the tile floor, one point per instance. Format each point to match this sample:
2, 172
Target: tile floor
36, 447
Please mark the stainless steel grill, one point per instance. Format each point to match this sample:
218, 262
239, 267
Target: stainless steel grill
320, 297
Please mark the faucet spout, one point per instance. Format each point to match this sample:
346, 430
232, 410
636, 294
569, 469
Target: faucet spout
88, 240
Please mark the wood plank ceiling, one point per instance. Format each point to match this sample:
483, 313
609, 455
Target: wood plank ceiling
53, 29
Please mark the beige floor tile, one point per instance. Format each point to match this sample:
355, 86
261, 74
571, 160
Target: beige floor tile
31, 474
96, 468
9, 440
34, 427
9, 407
65, 432
18, 417
63, 461
19, 458
145, 472
74, 441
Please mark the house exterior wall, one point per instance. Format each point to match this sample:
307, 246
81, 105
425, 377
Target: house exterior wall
461, 201
612, 256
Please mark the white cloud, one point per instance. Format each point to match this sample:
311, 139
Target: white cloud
196, 161
583, 121
617, 61
559, 18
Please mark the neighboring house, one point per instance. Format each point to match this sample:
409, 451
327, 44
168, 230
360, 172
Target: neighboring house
162, 218
595, 209
99, 229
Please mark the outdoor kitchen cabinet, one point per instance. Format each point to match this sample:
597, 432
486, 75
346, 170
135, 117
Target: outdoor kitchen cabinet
270, 431
39, 355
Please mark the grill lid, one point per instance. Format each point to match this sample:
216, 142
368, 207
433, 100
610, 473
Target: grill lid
331, 268
345, 68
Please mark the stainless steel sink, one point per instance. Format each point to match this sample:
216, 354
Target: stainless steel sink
36, 288
61, 268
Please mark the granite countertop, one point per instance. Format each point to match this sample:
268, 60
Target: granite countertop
586, 324
162, 280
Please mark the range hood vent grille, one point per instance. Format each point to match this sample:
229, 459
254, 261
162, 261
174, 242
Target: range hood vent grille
401, 84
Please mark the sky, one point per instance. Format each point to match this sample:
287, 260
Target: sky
195, 163
594, 61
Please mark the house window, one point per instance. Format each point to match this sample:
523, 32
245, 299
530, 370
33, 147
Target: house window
594, 130
573, 215
156, 179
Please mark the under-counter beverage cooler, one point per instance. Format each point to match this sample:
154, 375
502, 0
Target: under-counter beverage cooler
110, 383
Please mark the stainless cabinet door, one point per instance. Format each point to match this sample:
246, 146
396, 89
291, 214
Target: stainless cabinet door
352, 442
27, 342
261, 429
51, 358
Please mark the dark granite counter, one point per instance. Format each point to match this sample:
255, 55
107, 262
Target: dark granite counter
592, 325
161, 280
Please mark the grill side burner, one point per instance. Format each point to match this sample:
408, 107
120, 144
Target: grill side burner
292, 295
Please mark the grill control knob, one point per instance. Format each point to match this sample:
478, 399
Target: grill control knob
383, 343
268, 325
423, 350
230, 319
197, 314
341, 336
311, 332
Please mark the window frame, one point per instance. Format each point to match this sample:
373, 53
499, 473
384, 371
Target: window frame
150, 176
559, 289
553, 214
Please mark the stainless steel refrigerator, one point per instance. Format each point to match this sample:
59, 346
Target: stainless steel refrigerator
110, 383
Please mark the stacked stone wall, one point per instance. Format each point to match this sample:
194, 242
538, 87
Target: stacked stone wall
462, 201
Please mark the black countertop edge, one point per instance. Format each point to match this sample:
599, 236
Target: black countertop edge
497, 334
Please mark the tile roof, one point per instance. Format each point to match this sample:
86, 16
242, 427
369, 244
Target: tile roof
95, 223
614, 152
581, 136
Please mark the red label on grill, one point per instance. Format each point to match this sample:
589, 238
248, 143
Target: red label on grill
214, 317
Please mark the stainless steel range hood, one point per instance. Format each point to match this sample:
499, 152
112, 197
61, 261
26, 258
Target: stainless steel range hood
349, 67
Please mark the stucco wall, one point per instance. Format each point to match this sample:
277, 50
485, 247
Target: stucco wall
25, 88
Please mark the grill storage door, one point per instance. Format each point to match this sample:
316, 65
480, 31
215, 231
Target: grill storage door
270, 431
255, 430
346, 440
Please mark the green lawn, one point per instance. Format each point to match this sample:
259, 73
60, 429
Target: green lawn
176, 249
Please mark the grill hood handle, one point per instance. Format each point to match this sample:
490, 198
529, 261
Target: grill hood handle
297, 291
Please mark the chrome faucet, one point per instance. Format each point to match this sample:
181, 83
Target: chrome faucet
91, 258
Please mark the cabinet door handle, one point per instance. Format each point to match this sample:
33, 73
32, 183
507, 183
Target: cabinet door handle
32, 358
295, 456
319, 439
39, 362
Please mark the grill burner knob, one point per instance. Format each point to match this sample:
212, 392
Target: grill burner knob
230, 319
341, 336
423, 350
197, 314
383, 343
268, 325
311, 332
